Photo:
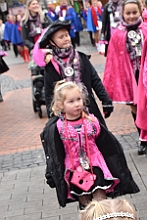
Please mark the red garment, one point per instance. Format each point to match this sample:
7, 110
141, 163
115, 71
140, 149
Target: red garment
119, 79
36, 38
141, 119
94, 15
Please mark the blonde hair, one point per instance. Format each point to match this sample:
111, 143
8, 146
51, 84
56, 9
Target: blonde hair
96, 209
60, 92
27, 12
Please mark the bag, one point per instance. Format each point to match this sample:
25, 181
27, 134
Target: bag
83, 179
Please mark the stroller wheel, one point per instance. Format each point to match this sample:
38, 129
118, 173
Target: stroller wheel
34, 106
40, 113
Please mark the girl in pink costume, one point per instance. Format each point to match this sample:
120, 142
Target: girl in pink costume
81, 171
124, 59
141, 119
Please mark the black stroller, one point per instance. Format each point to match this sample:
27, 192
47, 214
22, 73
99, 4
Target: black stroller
37, 76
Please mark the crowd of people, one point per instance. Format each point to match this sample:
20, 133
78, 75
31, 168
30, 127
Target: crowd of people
84, 160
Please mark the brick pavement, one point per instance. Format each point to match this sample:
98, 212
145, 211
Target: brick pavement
23, 191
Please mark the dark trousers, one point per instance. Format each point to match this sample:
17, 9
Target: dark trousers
77, 39
91, 37
15, 50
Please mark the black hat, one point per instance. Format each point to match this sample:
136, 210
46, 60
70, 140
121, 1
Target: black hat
55, 26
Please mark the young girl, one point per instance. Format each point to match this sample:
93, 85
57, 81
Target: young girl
69, 64
109, 209
124, 59
79, 152
141, 119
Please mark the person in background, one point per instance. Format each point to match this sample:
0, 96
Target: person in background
141, 118
96, 13
71, 16
109, 209
124, 59
16, 39
51, 12
86, 14
33, 22
144, 11
61, 9
112, 15
2, 41
8, 29
3, 68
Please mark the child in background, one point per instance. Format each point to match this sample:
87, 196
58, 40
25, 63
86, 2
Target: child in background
141, 119
72, 143
16, 39
3, 68
109, 209
124, 59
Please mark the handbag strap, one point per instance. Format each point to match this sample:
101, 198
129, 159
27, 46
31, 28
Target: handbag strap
87, 145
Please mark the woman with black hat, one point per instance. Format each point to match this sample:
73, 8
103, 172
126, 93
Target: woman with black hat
71, 65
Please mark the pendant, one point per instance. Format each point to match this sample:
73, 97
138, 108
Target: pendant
132, 34
138, 37
138, 51
69, 71
133, 44
84, 163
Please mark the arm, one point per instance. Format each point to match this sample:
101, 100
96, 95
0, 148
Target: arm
49, 88
48, 173
99, 89
25, 37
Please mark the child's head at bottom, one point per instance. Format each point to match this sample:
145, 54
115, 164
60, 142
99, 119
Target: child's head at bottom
69, 99
117, 209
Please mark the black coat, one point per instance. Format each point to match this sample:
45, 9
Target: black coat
90, 79
105, 32
3, 66
109, 147
28, 40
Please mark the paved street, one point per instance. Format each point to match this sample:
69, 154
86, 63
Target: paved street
24, 195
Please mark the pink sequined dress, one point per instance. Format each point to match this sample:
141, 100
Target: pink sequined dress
76, 141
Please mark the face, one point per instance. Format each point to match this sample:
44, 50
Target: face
63, 2
1, 21
87, 4
94, 3
73, 104
18, 18
131, 13
34, 7
62, 39
99, 4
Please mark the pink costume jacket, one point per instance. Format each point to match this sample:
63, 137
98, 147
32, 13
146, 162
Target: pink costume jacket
96, 157
141, 120
119, 79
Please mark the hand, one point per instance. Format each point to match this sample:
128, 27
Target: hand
107, 114
47, 58
107, 109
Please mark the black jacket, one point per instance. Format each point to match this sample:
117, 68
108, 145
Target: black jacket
90, 79
105, 32
27, 40
109, 147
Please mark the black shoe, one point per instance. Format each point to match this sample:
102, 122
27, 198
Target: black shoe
1, 98
37, 95
142, 148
